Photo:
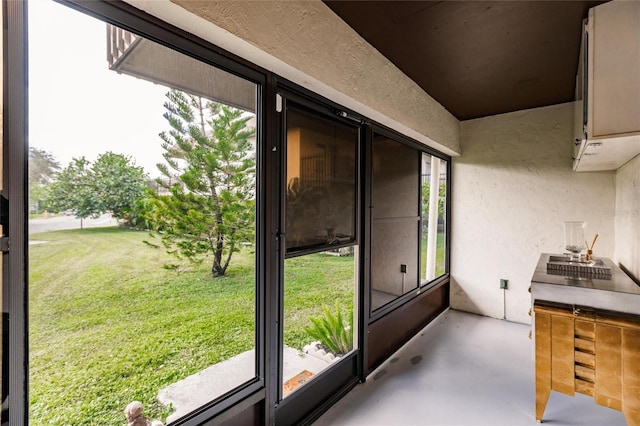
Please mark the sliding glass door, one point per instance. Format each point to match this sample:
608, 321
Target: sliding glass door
320, 279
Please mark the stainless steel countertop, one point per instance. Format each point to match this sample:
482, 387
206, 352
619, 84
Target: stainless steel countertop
620, 293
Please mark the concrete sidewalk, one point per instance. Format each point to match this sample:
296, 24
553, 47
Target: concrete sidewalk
58, 223
198, 389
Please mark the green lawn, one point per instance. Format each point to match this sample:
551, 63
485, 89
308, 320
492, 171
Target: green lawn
440, 251
311, 282
109, 325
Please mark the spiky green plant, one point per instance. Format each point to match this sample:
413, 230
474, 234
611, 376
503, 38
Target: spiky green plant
332, 332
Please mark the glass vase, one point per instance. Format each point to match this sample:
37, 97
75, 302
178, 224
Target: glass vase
574, 239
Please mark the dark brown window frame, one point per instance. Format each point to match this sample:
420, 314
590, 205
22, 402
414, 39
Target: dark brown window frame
257, 400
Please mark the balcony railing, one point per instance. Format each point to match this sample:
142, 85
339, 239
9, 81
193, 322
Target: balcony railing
118, 42
136, 56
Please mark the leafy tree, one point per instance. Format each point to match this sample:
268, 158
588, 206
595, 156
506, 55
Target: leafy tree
140, 214
118, 183
43, 168
210, 178
73, 190
39, 197
113, 183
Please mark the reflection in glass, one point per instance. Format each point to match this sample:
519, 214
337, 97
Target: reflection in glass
321, 182
395, 226
112, 318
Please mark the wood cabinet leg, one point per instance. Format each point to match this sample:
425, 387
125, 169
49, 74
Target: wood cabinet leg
542, 396
632, 417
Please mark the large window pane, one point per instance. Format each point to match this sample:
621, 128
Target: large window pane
319, 312
321, 182
142, 255
395, 220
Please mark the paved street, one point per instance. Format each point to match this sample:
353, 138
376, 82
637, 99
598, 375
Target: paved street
58, 223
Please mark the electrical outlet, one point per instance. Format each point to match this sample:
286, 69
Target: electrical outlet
504, 284
403, 268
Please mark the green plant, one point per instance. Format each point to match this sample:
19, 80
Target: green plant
112, 183
442, 196
43, 168
332, 332
209, 172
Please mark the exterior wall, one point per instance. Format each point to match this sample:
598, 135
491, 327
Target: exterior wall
627, 216
513, 187
305, 42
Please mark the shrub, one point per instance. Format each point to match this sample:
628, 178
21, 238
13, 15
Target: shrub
332, 332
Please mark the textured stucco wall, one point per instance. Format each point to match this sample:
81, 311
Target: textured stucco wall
305, 42
512, 188
627, 216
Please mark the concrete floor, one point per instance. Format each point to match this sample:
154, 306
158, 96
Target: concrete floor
462, 370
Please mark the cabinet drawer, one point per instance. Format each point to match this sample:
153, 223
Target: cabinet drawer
585, 358
585, 373
585, 329
585, 388
584, 345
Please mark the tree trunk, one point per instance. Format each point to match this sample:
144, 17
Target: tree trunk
217, 270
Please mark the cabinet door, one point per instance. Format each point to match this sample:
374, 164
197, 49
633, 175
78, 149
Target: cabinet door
614, 64
631, 375
562, 354
609, 366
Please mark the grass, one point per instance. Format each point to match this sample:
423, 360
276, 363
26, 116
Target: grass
311, 282
109, 325
440, 253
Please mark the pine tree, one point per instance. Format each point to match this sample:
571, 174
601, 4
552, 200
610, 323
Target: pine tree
210, 177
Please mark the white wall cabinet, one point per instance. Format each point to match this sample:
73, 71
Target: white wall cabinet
608, 93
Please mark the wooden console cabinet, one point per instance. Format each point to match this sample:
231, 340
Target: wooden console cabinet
589, 351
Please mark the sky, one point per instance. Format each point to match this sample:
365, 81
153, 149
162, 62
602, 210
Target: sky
77, 106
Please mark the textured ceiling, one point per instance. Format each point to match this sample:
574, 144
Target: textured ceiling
477, 58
